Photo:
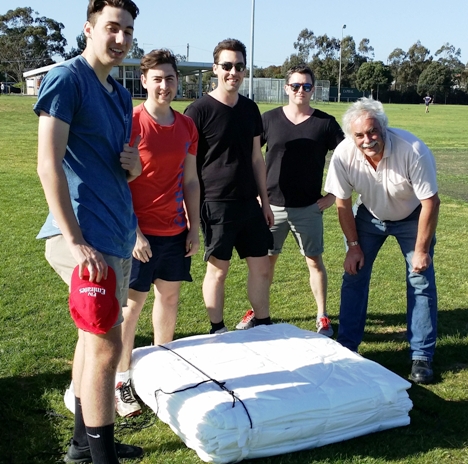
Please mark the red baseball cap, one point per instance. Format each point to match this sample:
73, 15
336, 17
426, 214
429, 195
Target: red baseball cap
93, 305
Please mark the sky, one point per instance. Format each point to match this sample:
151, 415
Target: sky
203, 23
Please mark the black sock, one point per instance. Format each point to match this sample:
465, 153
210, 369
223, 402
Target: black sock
101, 444
216, 326
79, 433
264, 321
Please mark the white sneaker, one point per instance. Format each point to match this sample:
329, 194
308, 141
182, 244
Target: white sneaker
69, 398
247, 322
324, 326
125, 403
219, 331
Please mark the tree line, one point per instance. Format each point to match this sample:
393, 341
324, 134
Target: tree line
29, 41
405, 77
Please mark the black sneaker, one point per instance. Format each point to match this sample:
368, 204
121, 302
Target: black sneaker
83, 454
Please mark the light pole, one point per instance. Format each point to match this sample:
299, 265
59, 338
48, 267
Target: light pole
339, 72
252, 52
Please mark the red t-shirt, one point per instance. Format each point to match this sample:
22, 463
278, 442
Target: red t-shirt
157, 193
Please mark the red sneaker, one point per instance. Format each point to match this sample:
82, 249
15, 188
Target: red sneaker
247, 322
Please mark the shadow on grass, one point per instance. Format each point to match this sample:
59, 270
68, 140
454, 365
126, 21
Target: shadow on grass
385, 342
451, 352
28, 427
31, 431
143, 340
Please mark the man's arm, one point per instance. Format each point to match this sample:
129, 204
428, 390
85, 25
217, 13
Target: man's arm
426, 229
326, 201
259, 170
192, 204
142, 249
52, 145
354, 256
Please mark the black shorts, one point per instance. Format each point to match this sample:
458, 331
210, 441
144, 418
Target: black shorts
235, 224
167, 263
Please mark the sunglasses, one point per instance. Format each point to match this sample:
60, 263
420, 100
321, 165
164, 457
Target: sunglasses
307, 87
227, 66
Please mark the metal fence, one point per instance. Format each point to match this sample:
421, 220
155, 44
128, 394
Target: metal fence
267, 90
322, 91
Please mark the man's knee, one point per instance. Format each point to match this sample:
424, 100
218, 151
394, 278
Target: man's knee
259, 267
104, 350
315, 263
169, 299
217, 269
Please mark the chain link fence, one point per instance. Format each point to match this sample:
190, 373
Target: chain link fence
269, 90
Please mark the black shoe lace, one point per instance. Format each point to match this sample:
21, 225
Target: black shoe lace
126, 393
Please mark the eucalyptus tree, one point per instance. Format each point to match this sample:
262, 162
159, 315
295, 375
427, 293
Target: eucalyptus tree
28, 41
79, 49
449, 56
304, 44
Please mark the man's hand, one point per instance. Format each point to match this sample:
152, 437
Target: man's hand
421, 261
130, 159
86, 256
192, 243
268, 213
326, 201
354, 260
142, 250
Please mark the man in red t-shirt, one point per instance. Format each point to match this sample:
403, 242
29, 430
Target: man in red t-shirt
166, 200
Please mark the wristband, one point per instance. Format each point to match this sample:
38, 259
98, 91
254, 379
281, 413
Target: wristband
351, 244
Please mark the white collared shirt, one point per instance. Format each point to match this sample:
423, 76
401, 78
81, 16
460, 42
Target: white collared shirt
405, 175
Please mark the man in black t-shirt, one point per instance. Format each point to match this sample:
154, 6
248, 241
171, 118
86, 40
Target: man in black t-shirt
298, 138
232, 174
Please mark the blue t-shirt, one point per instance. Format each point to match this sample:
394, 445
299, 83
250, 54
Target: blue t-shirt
100, 123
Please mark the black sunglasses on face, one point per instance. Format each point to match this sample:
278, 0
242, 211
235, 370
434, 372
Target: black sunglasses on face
295, 87
227, 66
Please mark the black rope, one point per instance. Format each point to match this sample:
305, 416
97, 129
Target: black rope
221, 385
135, 424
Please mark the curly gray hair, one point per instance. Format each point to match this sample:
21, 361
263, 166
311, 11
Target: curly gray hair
365, 106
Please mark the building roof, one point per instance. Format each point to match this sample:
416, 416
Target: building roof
186, 68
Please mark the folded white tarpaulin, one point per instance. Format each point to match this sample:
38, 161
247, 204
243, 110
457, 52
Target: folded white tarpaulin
266, 391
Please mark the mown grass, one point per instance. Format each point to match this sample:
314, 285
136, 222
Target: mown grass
37, 336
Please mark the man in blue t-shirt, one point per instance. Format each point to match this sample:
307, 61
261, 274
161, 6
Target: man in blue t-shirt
84, 164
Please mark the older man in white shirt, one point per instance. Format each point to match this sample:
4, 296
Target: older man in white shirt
394, 174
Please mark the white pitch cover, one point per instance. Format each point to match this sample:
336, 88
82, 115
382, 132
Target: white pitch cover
266, 391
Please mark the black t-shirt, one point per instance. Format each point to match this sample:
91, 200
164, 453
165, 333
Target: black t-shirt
224, 157
295, 156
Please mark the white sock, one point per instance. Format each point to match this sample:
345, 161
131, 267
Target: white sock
122, 376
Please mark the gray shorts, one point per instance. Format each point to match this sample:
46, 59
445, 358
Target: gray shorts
305, 223
60, 258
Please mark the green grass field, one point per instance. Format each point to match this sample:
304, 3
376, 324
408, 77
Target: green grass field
37, 335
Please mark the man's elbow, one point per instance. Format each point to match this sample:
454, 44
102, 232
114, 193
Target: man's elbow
435, 203
43, 171
432, 204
